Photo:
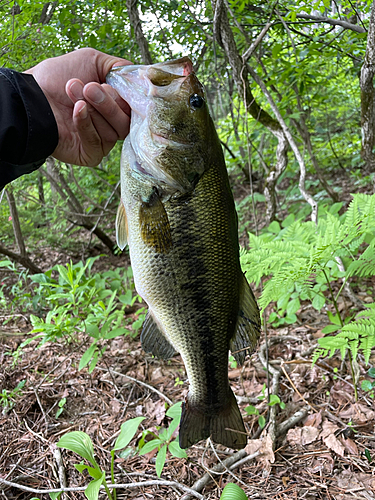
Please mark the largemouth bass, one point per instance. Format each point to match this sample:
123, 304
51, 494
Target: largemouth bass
178, 216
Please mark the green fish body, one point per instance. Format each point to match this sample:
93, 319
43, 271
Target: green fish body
178, 217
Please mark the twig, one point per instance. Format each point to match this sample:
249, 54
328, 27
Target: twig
143, 484
295, 388
140, 383
206, 478
225, 468
291, 421
248, 53
60, 466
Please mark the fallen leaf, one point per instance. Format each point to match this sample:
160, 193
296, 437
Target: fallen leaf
314, 419
301, 436
334, 444
285, 480
358, 413
264, 446
350, 446
328, 428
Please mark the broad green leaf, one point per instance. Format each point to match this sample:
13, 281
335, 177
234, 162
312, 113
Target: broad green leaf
233, 492
78, 442
261, 421
128, 430
318, 302
92, 490
371, 372
115, 333
175, 410
176, 451
93, 330
251, 410
150, 445
55, 495
160, 460
330, 329
87, 355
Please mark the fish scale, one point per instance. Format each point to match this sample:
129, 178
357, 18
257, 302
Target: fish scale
181, 227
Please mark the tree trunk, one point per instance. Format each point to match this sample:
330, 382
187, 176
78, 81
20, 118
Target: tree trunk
135, 21
368, 98
21, 257
77, 215
224, 36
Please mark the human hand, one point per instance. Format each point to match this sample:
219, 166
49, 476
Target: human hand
90, 115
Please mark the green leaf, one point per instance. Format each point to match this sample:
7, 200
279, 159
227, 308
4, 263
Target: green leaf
93, 331
174, 411
79, 442
160, 460
87, 355
276, 49
92, 490
366, 385
128, 430
293, 306
115, 333
368, 455
55, 495
261, 421
233, 492
371, 372
251, 410
150, 445
175, 449
274, 400
330, 329
318, 301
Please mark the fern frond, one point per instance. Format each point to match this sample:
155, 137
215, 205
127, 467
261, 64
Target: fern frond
365, 265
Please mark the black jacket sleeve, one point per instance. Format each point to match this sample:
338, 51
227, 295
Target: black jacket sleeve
28, 129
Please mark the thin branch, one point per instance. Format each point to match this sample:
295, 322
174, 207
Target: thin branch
140, 383
140, 484
334, 22
310, 200
249, 52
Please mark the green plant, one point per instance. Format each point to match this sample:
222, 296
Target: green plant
164, 440
303, 260
81, 302
273, 400
367, 385
233, 492
79, 442
61, 405
7, 398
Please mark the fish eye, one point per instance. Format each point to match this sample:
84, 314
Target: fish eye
196, 101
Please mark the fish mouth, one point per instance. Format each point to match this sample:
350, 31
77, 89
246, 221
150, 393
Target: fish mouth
166, 141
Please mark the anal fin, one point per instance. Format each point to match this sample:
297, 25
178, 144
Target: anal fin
248, 325
154, 224
153, 339
121, 227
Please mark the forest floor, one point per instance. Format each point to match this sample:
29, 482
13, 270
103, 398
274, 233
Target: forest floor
324, 446
321, 454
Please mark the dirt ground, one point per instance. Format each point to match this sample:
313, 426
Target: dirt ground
325, 440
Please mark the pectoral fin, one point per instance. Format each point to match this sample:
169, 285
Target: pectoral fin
155, 228
121, 227
153, 339
248, 324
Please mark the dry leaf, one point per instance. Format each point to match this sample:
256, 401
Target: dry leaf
334, 444
358, 413
285, 480
350, 446
314, 419
264, 446
302, 435
328, 428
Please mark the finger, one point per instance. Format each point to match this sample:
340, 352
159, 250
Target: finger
91, 150
74, 89
116, 115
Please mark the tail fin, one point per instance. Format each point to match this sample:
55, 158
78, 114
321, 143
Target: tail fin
225, 426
